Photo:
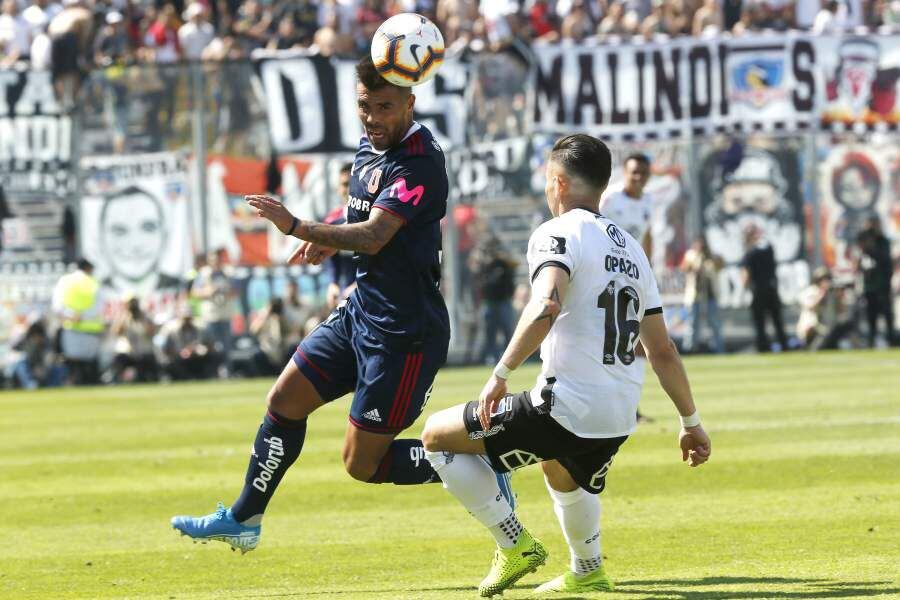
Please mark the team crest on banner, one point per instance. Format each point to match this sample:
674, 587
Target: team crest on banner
758, 81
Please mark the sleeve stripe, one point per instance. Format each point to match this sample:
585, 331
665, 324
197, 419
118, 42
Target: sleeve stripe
653, 311
393, 212
551, 263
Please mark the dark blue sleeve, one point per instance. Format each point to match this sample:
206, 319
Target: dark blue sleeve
414, 185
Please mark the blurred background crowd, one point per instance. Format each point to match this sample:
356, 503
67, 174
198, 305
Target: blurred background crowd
75, 35
204, 333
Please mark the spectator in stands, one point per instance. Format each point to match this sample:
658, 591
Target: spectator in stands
15, 34
76, 301
254, 25
270, 329
701, 293
305, 17
197, 32
112, 51
578, 23
495, 272
708, 20
71, 37
296, 312
213, 288
759, 276
826, 317
369, 16
133, 335
39, 14
731, 13
37, 365
341, 267
827, 21
286, 36
186, 352
876, 266
161, 39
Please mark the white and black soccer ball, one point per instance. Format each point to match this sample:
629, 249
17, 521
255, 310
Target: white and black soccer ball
407, 49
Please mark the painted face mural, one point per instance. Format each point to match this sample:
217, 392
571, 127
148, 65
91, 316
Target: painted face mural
754, 194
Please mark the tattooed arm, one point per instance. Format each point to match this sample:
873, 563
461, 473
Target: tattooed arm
548, 292
368, 237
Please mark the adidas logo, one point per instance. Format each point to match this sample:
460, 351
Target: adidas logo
373, 415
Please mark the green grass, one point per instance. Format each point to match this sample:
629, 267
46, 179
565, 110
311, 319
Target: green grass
800, 500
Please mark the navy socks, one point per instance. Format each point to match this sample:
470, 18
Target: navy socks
405, 464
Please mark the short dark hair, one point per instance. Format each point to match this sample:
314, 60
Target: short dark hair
346, 167
638, 156
368, 75
584, 156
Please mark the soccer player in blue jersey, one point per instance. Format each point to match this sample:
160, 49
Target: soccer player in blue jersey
389, 339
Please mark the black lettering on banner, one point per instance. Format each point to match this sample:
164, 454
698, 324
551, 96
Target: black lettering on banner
640, 59
616, 116
550, 85
723, 80
587, 90
290, 103
700, 54
803, 75
666, 84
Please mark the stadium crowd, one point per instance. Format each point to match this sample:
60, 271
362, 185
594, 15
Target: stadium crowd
76, 35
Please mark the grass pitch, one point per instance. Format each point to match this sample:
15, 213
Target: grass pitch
800, 500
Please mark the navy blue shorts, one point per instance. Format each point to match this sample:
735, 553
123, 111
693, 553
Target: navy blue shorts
391, 386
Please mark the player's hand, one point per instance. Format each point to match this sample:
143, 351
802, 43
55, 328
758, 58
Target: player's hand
491, 394
273, 210
308, 253
695, 445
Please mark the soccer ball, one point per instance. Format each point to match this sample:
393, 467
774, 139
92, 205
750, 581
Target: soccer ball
407, 49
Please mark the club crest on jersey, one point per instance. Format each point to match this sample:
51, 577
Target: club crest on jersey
374, 180
553, 245
615, 235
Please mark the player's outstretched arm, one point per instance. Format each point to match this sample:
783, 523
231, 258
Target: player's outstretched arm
367, 237
548, 292
666, 362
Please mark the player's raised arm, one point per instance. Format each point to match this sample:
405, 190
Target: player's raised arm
367, 237
548, 292
666, 363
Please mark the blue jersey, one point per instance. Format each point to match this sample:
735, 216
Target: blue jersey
397, 297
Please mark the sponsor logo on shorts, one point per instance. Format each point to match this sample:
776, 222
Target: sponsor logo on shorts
516, 459
598, 480
273, 461
477, 435
373, 415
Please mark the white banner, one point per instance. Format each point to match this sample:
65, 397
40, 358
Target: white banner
135, 221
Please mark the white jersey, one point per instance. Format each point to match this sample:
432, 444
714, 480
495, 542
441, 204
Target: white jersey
588, 356
631, 214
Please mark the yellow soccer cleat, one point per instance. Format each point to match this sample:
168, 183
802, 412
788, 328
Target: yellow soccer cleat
570, 583
511, 564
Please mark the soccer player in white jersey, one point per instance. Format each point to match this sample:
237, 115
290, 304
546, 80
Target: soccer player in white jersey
593, 296
629, 207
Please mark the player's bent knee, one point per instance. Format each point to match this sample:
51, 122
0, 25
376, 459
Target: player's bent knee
358, 467
433, 437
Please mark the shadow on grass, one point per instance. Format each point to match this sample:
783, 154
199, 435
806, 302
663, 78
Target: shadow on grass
681, 589
685, 589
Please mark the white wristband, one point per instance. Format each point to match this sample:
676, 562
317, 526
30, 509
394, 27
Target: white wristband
691, 420
501, 371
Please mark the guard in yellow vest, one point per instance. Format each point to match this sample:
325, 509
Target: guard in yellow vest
76, 301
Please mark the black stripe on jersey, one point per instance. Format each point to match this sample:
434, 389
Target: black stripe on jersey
551, 263
653, 311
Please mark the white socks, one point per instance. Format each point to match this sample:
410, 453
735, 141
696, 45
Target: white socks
579, 516
473, 482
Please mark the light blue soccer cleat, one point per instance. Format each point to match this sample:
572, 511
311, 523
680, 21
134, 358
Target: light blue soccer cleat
219, 526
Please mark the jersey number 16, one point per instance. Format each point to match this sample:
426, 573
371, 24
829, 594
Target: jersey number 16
621, 333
